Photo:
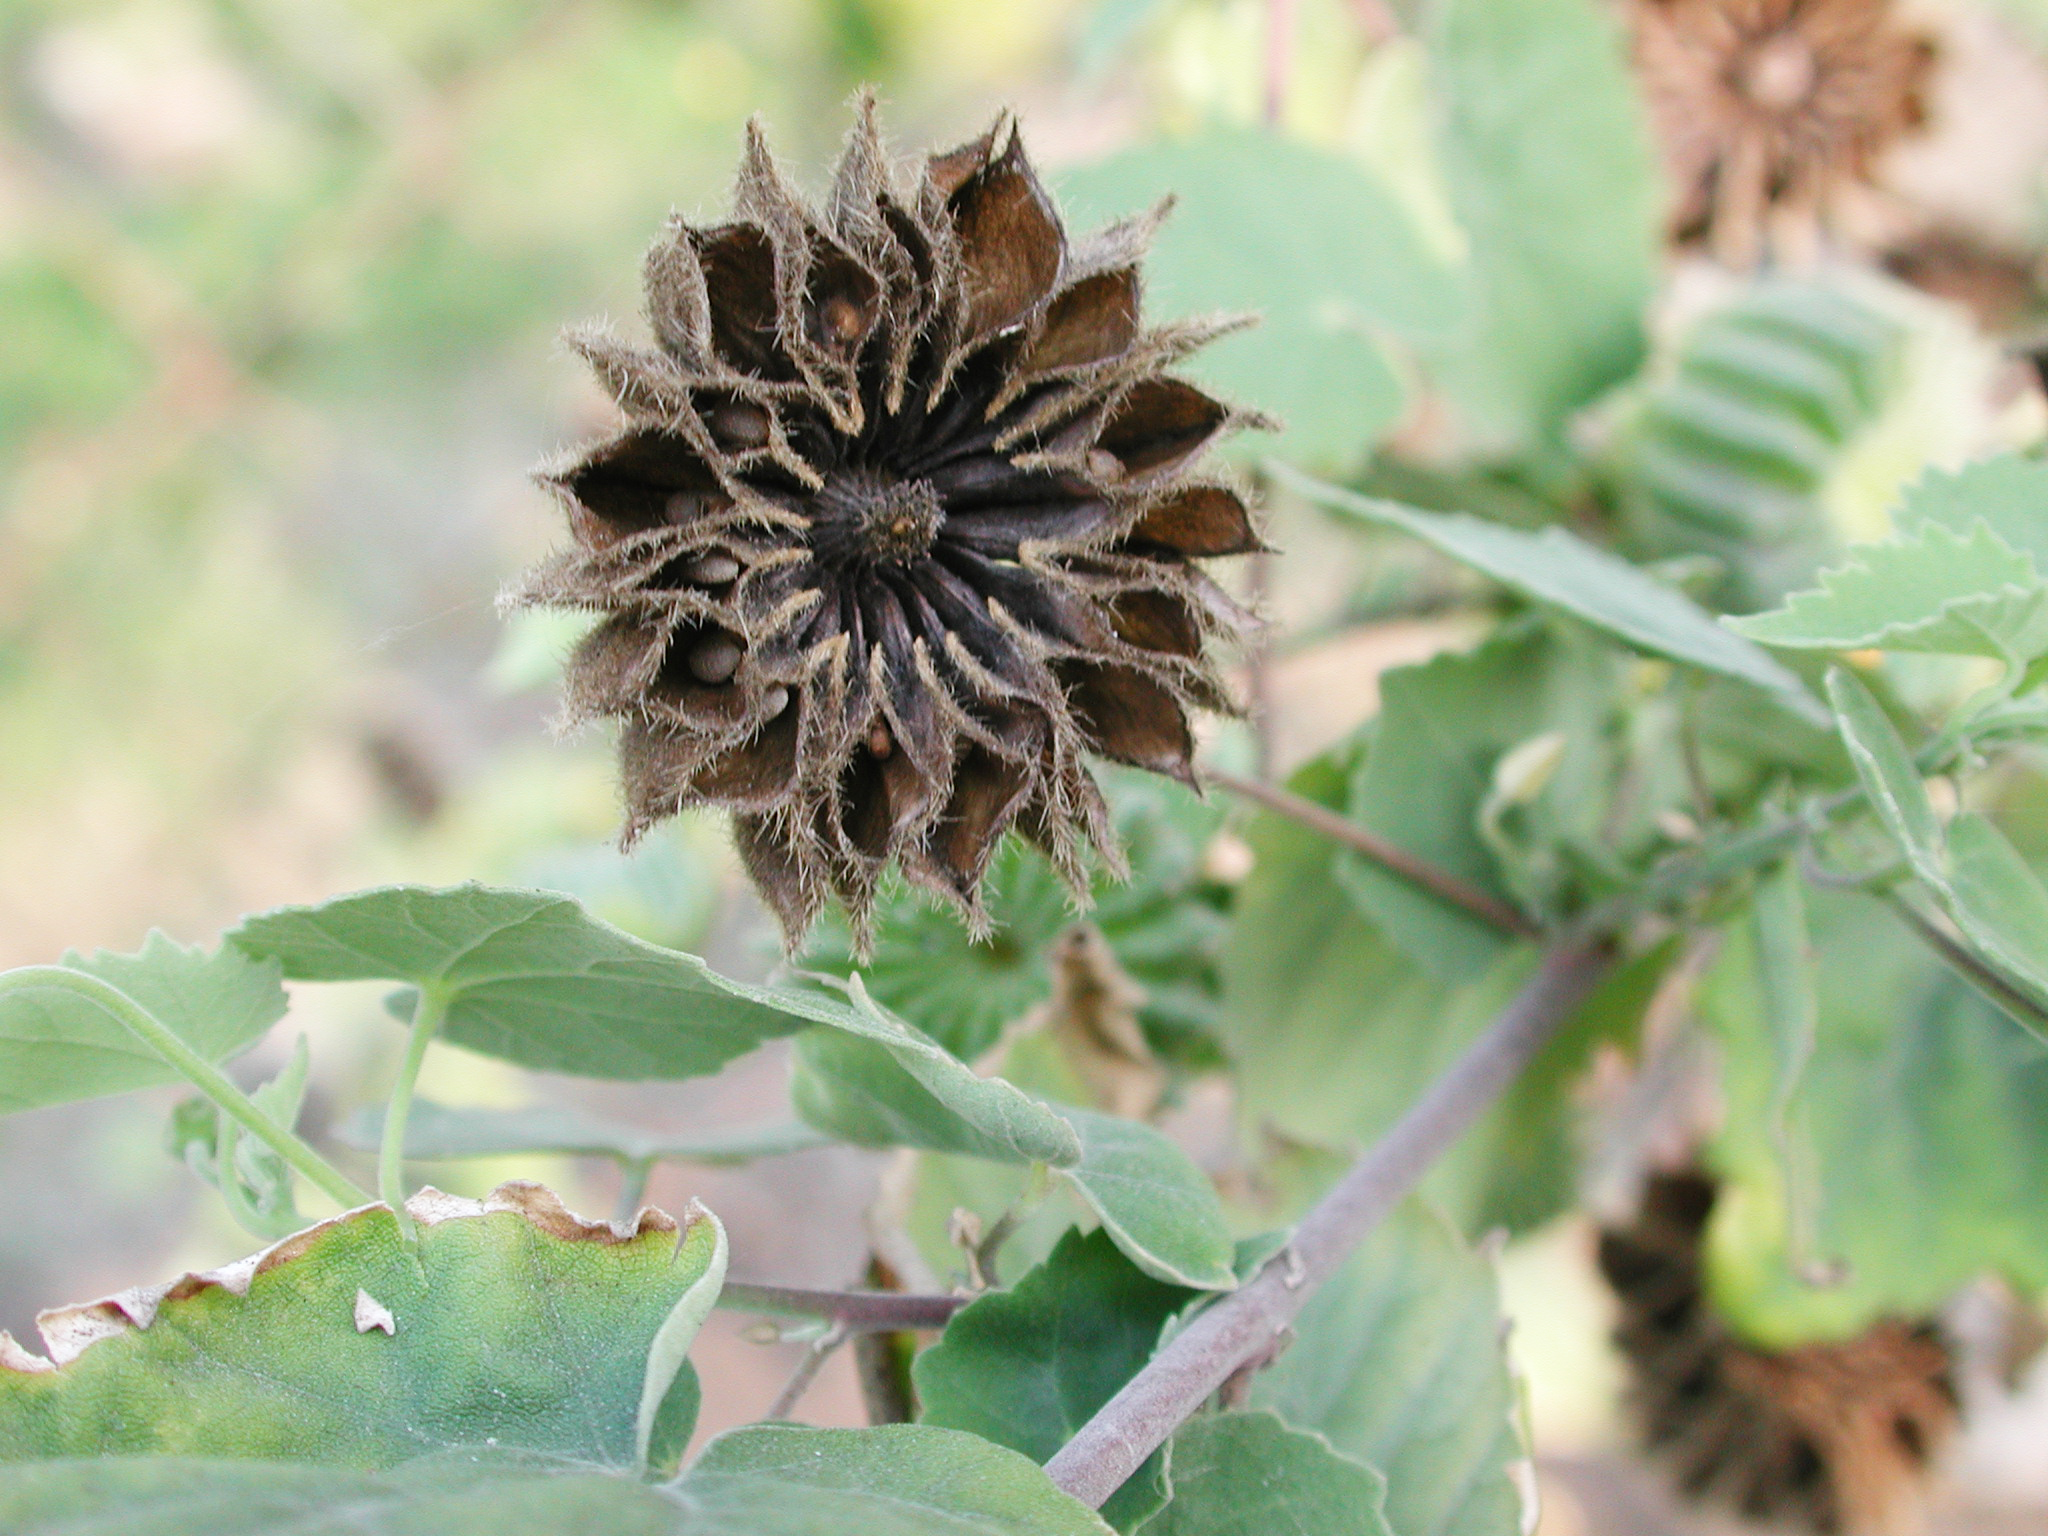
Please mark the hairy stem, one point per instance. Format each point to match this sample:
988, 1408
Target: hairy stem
1244, 1325
195, 1069
806, 1371
1340, 829
860, 1311
427, 1015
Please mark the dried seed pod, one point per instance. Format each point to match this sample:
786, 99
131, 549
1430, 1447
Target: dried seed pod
960, 481
1774, 106
1837, 1437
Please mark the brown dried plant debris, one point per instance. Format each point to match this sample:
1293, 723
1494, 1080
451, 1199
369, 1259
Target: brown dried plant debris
1092, 1017
1769, 110
903, 523
1835, 1437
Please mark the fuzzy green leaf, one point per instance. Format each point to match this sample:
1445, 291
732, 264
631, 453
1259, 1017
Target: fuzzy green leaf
57, 1046
1922, 1130
1335, 1031
1158, 1206
1556, 567
2009, 494
875, 1081
532, 978
898, 1480
1890, 780
1399, 1361
514, 1326
1028, 1366
1443, 727
1248, 1474
1305, 239
1956, 593
1995, 899
1550, 173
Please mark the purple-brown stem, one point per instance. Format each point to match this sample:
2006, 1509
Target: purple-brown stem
1246, 1323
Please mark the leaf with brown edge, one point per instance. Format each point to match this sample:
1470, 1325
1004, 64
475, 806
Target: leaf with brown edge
515, 1326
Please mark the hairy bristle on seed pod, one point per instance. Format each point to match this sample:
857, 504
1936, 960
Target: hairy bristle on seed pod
904, 523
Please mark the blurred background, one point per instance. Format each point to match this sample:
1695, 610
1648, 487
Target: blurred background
280, 282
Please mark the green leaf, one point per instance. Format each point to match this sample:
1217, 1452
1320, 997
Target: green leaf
1302, 237
1555, 567
251, 1177
898, 1480
1550, 173
1158, 1206
532, 978
1890, 781
1998, 902
1785, 973
876, 1082
1248, 1474
1995, 899
1399, 1361
56, 1046
189, 1496
1923, 1120
1443, 727
1028, 1366
436, 1132
912, 1478
514, 1326
1937, 589
2006, 493
1165, 925
1335, 1032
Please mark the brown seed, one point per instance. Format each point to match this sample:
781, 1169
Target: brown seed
714, 659
841, 318
739, 425
683, 507
712, 570
774, 702
880, 743
1104, 465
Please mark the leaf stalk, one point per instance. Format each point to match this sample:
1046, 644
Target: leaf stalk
195, 1069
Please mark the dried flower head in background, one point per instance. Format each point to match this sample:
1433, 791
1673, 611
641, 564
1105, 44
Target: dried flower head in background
1773, 107
902, 525
1835, 1437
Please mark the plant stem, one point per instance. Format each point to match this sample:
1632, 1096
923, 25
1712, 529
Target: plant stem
427, 1014
1244, 1325
2008, 993
634, 1173
860, 1311
1438, 882
807, 1371
195, 1069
